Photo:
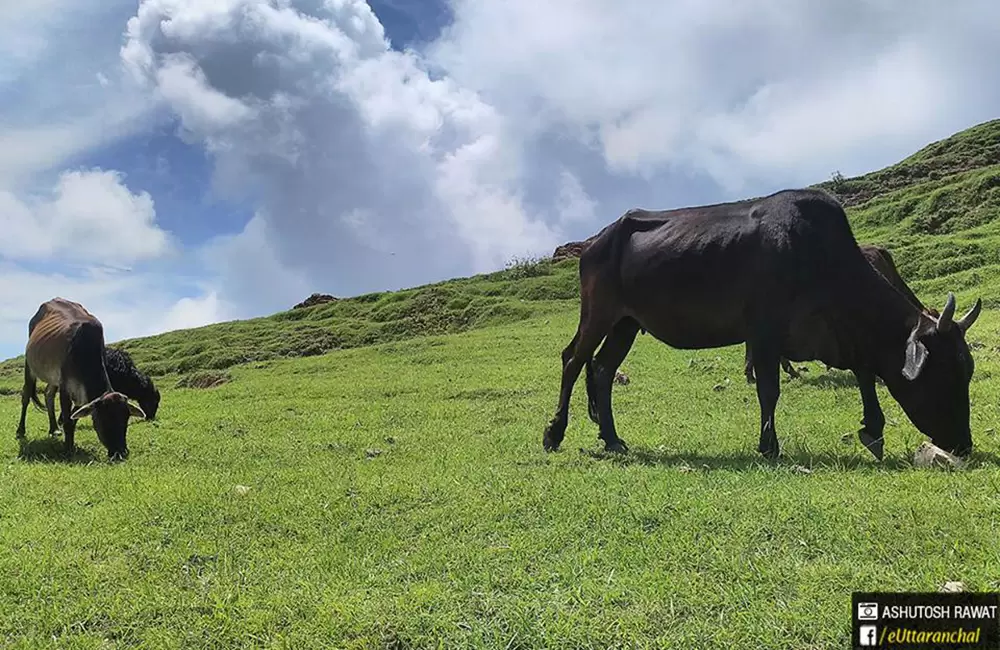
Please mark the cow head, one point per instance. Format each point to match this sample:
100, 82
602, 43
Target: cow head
110, 413
933, 384
150, 403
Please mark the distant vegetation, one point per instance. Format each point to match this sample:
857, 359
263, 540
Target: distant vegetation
938, 211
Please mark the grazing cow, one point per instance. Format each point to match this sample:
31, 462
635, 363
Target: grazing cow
785, 274
125, 378
882, 260
66, 349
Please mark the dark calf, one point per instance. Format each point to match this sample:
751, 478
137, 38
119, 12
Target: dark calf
125, 378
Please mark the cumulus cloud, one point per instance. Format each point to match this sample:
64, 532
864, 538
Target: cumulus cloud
72, 231
373, 169
62, 88
128, 304
750, 93
90, 215
367, 172
190, 312
523, 125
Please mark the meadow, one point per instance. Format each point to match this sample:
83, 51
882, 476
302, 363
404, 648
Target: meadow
369, 474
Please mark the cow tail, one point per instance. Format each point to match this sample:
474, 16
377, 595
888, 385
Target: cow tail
31, 385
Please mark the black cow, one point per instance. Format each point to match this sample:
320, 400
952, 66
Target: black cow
785, 274
125, 378
882, 261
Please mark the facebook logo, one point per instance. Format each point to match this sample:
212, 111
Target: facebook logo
867, 635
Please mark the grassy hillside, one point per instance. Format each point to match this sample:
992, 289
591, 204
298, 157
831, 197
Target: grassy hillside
397, 496
938, 211
524, 289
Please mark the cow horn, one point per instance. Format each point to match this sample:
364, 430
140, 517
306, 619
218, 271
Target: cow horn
944, 322
965, 322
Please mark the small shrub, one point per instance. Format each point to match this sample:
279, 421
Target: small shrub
519, 268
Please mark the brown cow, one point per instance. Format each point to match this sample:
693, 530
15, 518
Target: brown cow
879, 258
66, 349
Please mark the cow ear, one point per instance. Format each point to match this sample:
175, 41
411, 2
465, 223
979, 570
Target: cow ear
916, 357
135, 411
83, 411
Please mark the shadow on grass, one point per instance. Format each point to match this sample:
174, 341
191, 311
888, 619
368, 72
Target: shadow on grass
830, 379
52, 450
792, 460
833, 379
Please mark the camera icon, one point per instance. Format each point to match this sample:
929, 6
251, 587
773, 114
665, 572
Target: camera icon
867, 611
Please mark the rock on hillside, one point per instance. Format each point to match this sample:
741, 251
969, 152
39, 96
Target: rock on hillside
570, 250
315, 299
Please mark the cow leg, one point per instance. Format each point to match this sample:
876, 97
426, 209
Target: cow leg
873, 420
613, 351
748, 364
592, 393
68, 423
789, 368
576, 354
27, 390
50, 406
765, 365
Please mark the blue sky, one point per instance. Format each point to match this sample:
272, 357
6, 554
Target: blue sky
171, 163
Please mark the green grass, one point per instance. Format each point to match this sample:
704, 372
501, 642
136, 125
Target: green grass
395, 493
399, 497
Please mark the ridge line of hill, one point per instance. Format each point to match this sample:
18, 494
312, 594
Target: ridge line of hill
938, 211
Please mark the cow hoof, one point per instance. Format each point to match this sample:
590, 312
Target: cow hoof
616, 447
549, 441
770, 453
872, 444
20, 434
54, 433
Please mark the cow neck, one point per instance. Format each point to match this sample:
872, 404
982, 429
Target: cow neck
885, 328
91, 374
96, 383
87, 354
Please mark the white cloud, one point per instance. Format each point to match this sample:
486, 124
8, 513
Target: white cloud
771, 92
192, 312
368, 174
202, 109
128, 304
250, 274
62, 88
90, 216
64, 228
526, 124
574, 205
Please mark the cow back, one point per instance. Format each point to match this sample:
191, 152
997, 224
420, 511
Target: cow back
51, 333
